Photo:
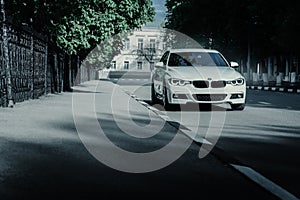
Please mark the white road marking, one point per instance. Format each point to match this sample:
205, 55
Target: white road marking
152, 108
188, 133
252, 87
264, 182
247, 87
143, 102
259, 87
265, 103
165, 117
196, 138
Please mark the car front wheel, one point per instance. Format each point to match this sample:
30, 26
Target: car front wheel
154, 99
165, 100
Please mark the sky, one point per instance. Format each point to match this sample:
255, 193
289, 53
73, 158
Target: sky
160, 11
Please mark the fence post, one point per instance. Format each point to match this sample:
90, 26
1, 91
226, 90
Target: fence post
46, 69
6, 57
31, 70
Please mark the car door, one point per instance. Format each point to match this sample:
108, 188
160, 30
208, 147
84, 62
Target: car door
159, 74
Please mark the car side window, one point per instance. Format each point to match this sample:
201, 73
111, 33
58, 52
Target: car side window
164, 58
178, 60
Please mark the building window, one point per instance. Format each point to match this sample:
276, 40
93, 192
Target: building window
127, 44
140, 43
126, 64
152, 44
139, 65
113, 65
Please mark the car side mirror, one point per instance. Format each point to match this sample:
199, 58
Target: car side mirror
160, 65
234, 64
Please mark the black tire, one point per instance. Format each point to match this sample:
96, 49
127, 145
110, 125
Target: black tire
166, 104
154, 99
238, 106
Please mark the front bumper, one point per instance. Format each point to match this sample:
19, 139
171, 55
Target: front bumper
189, 94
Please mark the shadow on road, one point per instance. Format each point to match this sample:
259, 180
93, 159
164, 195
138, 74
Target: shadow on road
190, 107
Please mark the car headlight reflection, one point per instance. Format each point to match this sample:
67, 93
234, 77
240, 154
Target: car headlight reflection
237, 82
178, 82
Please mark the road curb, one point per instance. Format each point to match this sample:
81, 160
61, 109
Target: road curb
274, 89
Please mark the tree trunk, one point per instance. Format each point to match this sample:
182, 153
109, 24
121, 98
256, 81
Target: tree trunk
67, 73
88, 73
70, 73
248, 61
56, 71
6, 57
62, 71
78, 72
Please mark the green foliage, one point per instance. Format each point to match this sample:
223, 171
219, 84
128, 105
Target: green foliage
102, 55
77, 26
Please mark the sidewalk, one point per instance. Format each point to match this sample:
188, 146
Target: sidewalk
45, 156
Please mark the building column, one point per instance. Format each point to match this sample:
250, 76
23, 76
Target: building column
270, 71
287, 78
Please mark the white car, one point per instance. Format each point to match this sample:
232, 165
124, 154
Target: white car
197, 76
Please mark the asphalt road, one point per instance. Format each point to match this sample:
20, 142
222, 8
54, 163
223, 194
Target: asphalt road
50, 148
264, 137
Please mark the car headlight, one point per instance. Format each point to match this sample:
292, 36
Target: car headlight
178, 82
237, 82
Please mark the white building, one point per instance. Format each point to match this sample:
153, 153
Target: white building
141, 50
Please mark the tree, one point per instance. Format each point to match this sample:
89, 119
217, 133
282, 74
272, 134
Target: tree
234, 27
79, 26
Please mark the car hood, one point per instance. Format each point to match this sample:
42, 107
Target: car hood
204, 73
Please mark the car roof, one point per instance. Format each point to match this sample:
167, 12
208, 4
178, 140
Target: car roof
193, 50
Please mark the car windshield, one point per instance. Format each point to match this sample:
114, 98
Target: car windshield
182, 59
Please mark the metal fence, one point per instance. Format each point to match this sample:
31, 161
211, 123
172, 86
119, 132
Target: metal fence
36, 67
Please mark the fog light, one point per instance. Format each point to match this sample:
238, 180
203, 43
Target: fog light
179, 96
237, 96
